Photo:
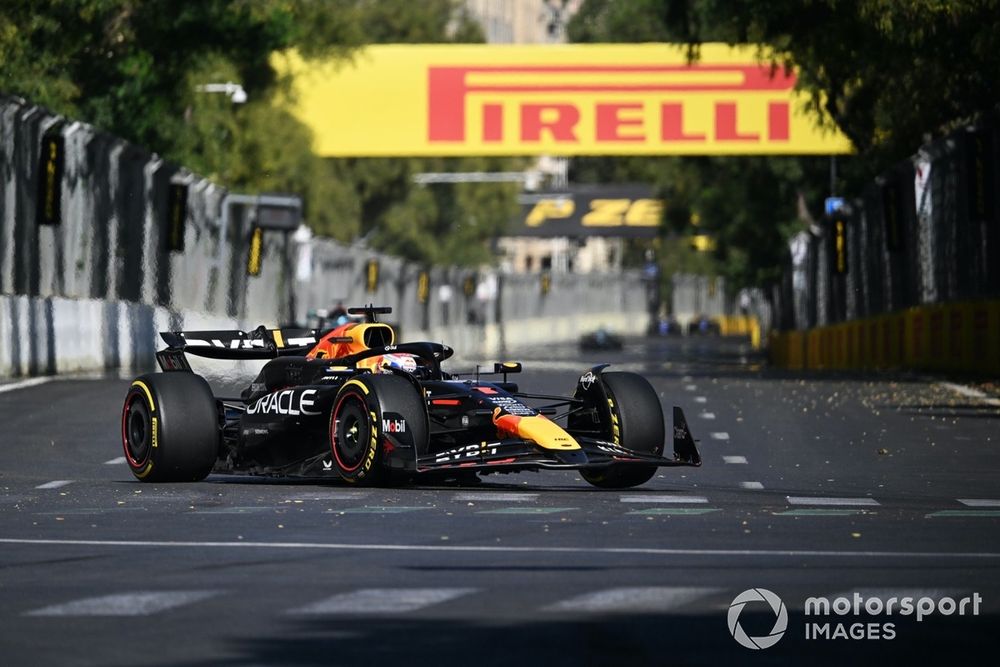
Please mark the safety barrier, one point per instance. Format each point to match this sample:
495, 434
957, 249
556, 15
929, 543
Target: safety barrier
954, 337
102, 244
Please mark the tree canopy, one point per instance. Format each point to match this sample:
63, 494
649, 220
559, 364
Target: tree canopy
132, 68
887, 72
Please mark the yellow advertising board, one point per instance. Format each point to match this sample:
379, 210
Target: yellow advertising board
573, 99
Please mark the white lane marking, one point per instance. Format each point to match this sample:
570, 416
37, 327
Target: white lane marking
141, 603
809, 500
382, 601
687, 378
707, 415
720, 435
970, 392
690, 387
24, 384
700, 399
440, 548
979, 502
56, 484
329, 495
634, 599
751, 485
664, 499
499, 497
735, 459
116, 461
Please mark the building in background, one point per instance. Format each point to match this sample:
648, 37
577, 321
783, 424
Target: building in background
542, 22
523, 21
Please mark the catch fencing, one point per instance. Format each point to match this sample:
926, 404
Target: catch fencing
102, 244
914, 261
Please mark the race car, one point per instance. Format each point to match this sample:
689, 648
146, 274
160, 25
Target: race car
351, 403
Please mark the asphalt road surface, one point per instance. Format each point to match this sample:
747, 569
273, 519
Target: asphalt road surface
871, 490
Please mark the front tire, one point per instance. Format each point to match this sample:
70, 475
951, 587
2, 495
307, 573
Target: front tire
633, 419
170, 428
362, 406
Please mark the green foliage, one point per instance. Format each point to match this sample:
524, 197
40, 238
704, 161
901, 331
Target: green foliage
131, 67
887, 72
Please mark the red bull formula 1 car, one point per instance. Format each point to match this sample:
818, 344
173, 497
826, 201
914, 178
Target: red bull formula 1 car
352, 403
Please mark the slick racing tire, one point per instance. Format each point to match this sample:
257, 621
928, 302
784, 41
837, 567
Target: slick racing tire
356, 420
170, 427
635, 406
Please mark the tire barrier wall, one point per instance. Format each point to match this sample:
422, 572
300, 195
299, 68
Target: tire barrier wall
956, 337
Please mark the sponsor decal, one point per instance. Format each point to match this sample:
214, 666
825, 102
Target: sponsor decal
587, 380
393, 425
579, 99
511, 406
290, 402
481, 449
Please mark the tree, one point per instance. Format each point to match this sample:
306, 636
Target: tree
887, 72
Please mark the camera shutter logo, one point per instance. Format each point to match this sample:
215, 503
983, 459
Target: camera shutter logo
777, 606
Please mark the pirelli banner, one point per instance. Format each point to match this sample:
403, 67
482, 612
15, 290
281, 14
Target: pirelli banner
628, 210
575, 99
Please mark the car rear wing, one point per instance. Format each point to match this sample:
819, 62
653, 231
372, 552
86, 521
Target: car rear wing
261, 343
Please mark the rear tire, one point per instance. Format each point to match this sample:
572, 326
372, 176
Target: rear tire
636, 408
170, 428
356, 420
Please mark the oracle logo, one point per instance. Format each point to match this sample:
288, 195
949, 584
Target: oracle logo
568, 104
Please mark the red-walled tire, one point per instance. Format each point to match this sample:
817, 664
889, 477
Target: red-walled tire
356, 419
170, 428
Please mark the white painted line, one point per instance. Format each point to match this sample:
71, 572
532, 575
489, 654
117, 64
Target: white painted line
700, 399
979, 502
633, 599
809, 500
690, 387
498, 497
687, 378
116, 461
707, 415
382, 601
970, 392
751, 485
735, 459
57, 484
124, 604
441, 548
720, 435
664, 499
24, 384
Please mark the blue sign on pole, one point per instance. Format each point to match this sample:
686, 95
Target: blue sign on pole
833, 204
